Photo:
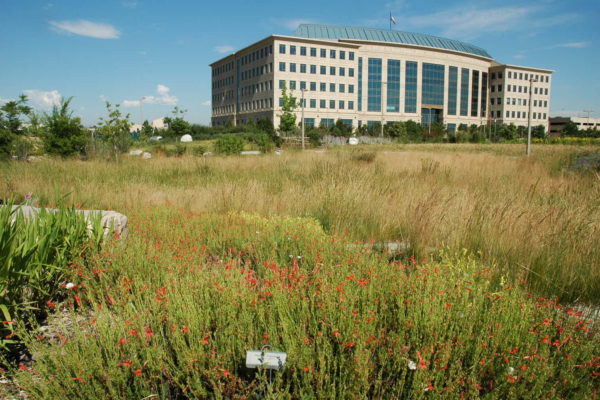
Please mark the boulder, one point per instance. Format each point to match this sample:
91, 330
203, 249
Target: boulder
186, 139
146, 155
135, 152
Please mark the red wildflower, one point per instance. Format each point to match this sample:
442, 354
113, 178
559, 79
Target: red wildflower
78, 379
138, 372
22, 367
8, 322
149, 333
124, 364
448, 305
50, 304
335, 333
122, 341
133, 332
78, 300
306, 369
185, 329
349, 344
514, 350
545, 339
523, 367
546, 322
511, 379
205, 340
422, 363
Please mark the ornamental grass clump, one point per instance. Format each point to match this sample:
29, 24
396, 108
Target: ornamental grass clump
172, 314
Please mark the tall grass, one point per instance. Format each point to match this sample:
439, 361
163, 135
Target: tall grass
172, 315
35, 257
530, 217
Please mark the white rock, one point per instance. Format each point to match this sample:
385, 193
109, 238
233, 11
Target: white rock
353, 141
186, 139
135, 152
146, 155
250, 153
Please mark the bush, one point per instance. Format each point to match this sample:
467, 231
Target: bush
262, 141
198, 150
229, 144
315, 136
364, 156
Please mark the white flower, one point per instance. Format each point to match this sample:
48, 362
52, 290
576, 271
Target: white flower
298, 257
510, 370
412, 365
70, 285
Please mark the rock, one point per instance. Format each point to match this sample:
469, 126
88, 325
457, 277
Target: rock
135, 152
112, 221
353, 141
146, 155
208, 153
186, 139
155, 138
278, 152
250, 153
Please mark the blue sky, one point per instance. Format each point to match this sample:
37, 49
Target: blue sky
126, 50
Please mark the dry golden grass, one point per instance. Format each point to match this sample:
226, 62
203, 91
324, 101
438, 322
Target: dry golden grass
527, 216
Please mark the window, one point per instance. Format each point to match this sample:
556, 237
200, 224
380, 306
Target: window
292, 85
303, 51
281, 102
520, 89
499, 88
507, 114
282, 49
282, 66
342, 55
331, 53
341, 104
492, 100
493, 88
499, 101
526, 77
350, 71
303, 68
350, 88
452, 89
292, 67
499, 76
514, 101
374, 85
393, 86
323, 53
510, 74
475, 94
313, 52
313, 69
410, 87
332, 104
484, 93
342, 88
331, 70
508, 88
342, 71
313, 86
323, 87
493, 76
521, 75
360, 82
313, 103
293, 50
464, 92
535, 103
512, 114
323, 70
350, 105
535, 90
524, 102
281, 84
545, 103
351, 56
322, 104
332, 87
433, 84
302, 85
546, 92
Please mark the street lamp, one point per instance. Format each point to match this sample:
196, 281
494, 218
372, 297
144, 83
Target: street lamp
528, 149
382, 90
303, 90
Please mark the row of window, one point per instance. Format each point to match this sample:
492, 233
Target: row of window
257, 71
312, 86
260, 104
520, 115
526, 76
256, 88
519, 89
222, 97
222, 82
257, 55
518, 102
222, 69
333, 54
325, 104
223, 110
333, 71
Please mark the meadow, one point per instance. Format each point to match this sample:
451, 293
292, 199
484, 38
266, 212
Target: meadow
497, 255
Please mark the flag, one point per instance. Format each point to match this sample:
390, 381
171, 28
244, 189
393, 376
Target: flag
393, 19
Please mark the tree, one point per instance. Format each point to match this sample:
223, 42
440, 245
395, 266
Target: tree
63, 134
287, 120
414, 131
115, 129
397, 130
11, 124
178, 126
539, 132
147, 130
570, 129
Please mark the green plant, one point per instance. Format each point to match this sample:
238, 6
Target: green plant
115, 130
287, 119
229, 144
263, 142
199, 150
62, 133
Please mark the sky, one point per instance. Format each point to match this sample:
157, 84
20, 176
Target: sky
150, 56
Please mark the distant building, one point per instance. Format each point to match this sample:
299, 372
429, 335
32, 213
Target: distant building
159, 124
583, 123
365, 76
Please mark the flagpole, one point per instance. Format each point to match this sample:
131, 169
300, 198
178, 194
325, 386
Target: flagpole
390, 20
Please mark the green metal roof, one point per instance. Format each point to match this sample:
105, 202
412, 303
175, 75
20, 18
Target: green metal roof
332, 32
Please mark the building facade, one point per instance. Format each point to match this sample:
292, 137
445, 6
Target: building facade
557, 124
364, 76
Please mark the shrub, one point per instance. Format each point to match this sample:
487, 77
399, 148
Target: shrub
263, 142
364, 156
229, 144
198, 150
315, 136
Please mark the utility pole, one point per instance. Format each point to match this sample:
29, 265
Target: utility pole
303, 90
528, 149
382, 86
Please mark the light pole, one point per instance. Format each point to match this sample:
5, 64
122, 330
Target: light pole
528, 149
382, 86
303, 90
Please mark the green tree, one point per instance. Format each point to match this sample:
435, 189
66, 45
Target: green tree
63, 134
396, 130
229, 144
287, 121
115, 129
414, 131
178, 126
11, 124
147, 130
539, 132
570, 129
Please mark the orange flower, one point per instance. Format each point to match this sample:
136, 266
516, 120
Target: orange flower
133, 332
205, 339
50, 304
185, 329
122, 341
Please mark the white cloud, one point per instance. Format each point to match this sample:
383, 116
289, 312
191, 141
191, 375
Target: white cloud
519, 56
293, 24
103, 97
165, 98
43, 99
206, 103
2, 101
224, 49
86, 28
574, 45
130, 4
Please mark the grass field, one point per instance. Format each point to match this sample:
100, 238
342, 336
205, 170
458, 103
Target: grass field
529, 218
